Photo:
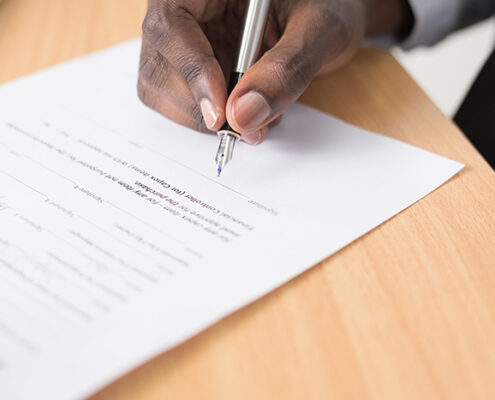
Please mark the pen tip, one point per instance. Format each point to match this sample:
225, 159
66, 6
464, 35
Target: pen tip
219, 172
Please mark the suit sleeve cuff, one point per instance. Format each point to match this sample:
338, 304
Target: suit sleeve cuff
433, 21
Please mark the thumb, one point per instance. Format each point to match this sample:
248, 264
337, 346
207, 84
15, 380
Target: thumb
315, 37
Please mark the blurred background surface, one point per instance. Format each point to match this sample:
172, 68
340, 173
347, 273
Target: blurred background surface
447, 70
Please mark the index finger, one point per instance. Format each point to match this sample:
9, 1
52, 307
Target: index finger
171, 29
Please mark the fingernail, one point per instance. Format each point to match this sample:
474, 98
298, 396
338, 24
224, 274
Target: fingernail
210, 113
250, 110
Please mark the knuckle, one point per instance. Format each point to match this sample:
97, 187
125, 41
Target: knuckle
152, 23
154, 70
191, 69
332, 22
157, 29
294, 73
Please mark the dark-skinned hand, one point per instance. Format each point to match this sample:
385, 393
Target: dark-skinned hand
189, 48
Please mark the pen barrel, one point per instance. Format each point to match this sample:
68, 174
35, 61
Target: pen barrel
249, 48
235, 77
252, 33
250, 45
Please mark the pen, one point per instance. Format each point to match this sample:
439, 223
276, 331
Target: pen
249, 48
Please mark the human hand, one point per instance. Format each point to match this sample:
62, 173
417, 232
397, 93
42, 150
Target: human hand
189, 47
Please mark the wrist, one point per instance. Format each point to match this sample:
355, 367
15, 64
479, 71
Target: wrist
388, 17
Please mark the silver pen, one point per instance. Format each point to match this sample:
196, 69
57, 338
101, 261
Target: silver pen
249, 48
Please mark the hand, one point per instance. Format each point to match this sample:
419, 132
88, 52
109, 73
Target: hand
189, 48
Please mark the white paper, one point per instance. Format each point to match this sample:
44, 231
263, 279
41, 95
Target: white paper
117, 241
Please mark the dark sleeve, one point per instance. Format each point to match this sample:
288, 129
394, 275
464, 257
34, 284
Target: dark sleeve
435, 19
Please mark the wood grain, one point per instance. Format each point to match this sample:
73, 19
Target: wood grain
405, 312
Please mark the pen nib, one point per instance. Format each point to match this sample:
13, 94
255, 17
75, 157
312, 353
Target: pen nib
228, 140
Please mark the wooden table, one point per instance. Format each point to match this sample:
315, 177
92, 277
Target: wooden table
406, 312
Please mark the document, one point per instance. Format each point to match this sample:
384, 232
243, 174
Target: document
118, 241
